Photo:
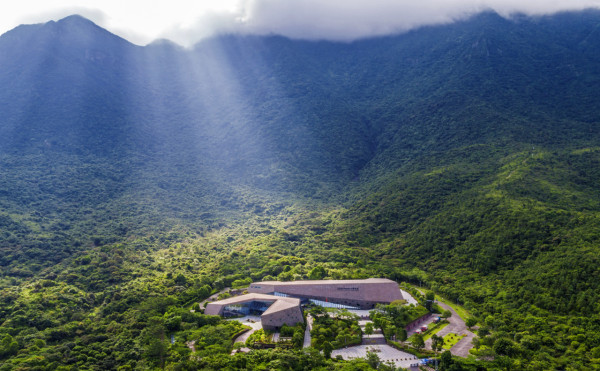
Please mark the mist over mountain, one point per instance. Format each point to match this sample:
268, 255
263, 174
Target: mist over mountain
259, 105
467, 153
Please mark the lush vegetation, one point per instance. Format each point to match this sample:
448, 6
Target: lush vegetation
393, 318
136, 182
333, 330
293, 334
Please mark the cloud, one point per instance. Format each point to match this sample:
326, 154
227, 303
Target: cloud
188, 21
347, 20
206, 25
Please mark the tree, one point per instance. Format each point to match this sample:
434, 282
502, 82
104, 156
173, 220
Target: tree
483, 331
417, 341
153, 337
369, 328
389, 331
345, 314
327, 349
180, 279
490, 321
386, 366
446, 314
401, 334
317, 273
437, 342
298, 339
376, 317
8, 347
429, 298
446, 360
470, 322
373, 359
505, 347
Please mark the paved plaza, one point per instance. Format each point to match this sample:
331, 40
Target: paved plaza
252, 321
385, 353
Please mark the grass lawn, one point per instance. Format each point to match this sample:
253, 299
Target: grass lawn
462, 312
435, 330
451, 339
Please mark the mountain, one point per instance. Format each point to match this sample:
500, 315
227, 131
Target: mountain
464, 155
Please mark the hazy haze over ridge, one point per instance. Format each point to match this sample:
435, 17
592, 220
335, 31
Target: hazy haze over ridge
186, 22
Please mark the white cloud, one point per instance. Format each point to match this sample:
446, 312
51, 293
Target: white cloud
352, 19
187, 21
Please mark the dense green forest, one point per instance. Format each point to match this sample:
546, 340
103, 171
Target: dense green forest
137, 181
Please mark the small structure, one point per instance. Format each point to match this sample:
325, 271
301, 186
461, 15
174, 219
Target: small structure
276, 311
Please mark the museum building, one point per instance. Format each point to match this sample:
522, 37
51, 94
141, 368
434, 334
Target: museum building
280, 303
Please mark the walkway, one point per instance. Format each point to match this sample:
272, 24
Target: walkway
307, 339
408, 297
252, 321
373, 339
385, 353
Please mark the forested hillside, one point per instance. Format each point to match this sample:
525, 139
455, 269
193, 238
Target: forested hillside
135, 181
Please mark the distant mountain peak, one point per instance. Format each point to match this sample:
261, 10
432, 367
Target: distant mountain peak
76, 19
78, 30
164, 43
77, 22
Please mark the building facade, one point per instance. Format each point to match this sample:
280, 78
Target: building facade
275, 311
278, 303
360, 294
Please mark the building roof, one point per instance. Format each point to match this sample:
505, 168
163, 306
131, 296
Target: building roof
364, 293
279, 303
327, 282
283, 310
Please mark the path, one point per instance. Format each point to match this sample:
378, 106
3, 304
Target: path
309, 322
252, 321
408, 297
456, 326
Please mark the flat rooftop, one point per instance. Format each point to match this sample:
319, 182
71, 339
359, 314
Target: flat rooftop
325, 282
357, 293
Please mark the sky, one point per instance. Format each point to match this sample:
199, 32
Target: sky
188, 21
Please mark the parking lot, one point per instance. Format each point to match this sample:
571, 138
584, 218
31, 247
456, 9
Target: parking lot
385, 353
